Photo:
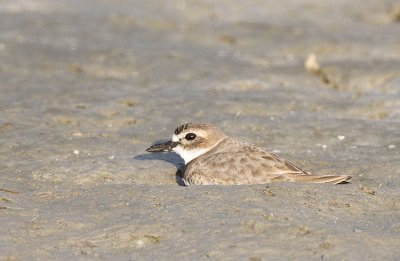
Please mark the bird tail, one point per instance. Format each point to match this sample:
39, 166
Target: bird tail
310, 178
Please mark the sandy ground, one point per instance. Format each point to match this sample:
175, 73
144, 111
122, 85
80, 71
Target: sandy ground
86, 86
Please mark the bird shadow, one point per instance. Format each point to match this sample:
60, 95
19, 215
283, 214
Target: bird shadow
169, 157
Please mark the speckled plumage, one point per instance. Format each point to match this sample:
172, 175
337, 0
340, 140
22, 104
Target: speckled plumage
228, 161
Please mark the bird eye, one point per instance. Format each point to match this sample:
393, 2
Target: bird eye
190, 136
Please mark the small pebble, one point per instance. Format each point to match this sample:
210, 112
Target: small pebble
392, 146
77, 134
311, 64
76, 152
341, 137
324, 146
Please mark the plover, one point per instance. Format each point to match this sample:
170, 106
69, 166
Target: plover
212, 158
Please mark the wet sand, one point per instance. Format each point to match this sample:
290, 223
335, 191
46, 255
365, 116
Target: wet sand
87, 86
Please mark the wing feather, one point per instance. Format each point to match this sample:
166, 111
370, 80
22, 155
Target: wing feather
234, 162
251, 166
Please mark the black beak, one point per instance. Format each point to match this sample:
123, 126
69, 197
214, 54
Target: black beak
162, 147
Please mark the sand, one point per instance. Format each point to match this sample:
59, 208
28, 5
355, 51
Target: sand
87, 86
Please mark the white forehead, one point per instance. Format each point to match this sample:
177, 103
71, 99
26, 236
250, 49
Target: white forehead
175, 138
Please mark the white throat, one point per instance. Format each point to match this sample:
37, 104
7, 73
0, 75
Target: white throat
189, 155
